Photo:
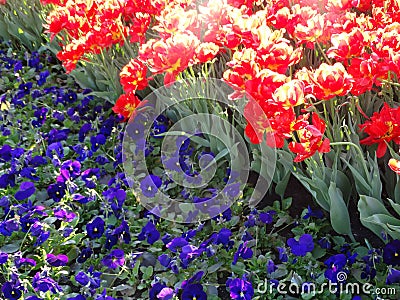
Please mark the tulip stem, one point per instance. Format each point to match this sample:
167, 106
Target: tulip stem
358, 150
390, 82
323, 53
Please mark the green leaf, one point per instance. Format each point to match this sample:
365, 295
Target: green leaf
387, 222
214, 268
375, 179
343, 183
50, 220
186, 207
397, 190
280, 187
126, 289
339, 213
280, 272
73, 253
362, 187
239, 268
4, 30
147, 272
317, 188
281, 221
286, 203
339, 240
111, 96
395, 206
221, 154
11, 248
84, 79
194, 138
212, 292
362, 251
308, 296
369, 206
75, 240
41, 195
318, 252
112, 220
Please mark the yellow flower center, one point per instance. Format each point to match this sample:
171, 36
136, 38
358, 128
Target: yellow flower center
130, 108
175, 66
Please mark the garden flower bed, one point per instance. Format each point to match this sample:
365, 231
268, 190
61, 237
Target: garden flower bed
199, 149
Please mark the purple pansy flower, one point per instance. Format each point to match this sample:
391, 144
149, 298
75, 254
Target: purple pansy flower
267, 217
3, 258
7, 227
271, 266
73, 167
57, 260
40, 115
178, 242
26, 190
155, 290
335, 264
282, 254
95, 229
223, 236
313, 213
391, 253
115, 259
90, 176
56, 191
149, 185
194, 291
64, 215
393, 276
301, 247
19, 261
97, 141
85, 254
240, 289
164, 260
243, 252
77, 297
166, 294
150, 233
12, 291
44, 283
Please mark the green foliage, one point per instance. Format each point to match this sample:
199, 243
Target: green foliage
21, 22
375, 216
329, 186
100, 73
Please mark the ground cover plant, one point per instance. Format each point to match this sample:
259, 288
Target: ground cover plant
274, 126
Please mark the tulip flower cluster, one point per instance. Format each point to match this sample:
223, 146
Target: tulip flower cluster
354, 47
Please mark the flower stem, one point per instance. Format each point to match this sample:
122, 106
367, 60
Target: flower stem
323, 53
358, 150
390, 82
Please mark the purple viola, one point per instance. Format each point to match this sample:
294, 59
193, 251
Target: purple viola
150, 185
115, 259
95, 229
150, 233
301, 247
240, 288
